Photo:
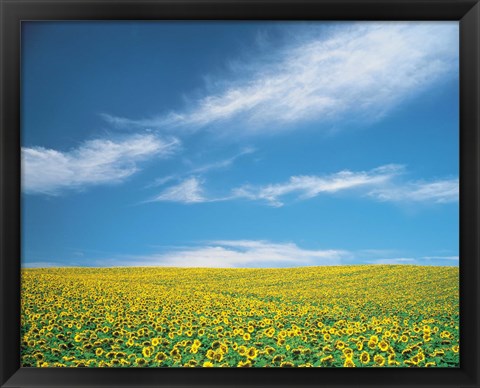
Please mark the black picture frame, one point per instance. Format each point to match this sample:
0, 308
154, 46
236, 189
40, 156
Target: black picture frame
12, 14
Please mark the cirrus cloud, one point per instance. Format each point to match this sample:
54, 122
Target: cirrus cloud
94, 162
380, 183
361, 71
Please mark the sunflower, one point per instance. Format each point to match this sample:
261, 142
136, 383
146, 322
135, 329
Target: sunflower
87, 346
348, 352
147, 351
270, 332
383, 345
379, 360
98, 352
307, 365
278, 358
349, 363
218, 357
210, 354
252, 353
269, 350
391, 360
207, 364
365, 358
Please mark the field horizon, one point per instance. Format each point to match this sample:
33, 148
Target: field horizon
233, 268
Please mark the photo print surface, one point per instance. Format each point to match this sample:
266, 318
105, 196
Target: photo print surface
240, 194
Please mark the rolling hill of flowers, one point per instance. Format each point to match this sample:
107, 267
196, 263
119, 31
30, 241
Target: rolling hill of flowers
339, 316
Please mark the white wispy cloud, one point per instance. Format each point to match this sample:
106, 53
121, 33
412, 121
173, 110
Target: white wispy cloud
221, 164
94, 162
247, 254
306, 187
45, 264
239, 253
205, 168
162, 180
399, 260
188, 191
360, 71
448, 258
380, 183
439, 191
420, 260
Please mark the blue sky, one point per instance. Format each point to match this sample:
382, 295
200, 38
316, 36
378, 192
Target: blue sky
239, 144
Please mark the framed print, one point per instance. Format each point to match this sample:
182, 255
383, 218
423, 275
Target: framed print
240, 193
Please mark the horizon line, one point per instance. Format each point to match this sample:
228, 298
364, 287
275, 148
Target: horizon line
253, 268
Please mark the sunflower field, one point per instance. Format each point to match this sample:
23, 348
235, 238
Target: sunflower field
339, 316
